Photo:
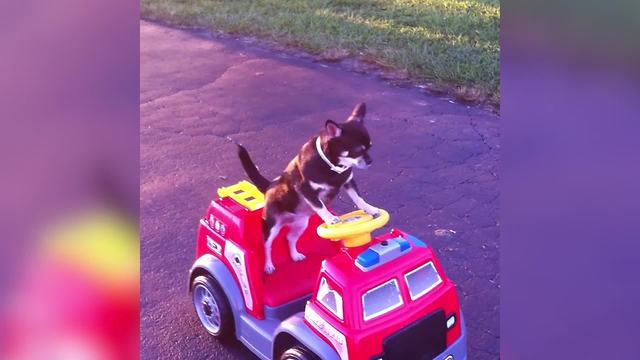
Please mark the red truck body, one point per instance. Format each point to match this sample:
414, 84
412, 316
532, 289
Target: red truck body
229, 227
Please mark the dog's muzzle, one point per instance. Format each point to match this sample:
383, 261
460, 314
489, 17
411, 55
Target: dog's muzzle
367, 159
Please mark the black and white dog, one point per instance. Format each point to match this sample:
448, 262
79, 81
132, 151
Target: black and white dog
311, 180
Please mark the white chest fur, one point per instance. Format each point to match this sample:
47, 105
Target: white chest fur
322, 189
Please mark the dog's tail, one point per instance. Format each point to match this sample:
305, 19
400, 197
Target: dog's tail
252, 171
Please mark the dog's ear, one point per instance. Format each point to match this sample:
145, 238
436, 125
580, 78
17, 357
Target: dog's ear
358, 113
332, 128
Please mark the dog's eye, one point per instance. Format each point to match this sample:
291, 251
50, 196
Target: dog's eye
356, 152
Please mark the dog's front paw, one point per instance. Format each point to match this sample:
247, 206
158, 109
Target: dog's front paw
296, 256
269, 268
332, 220
372, 210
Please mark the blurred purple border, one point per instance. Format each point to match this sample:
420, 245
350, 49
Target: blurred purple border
569, 181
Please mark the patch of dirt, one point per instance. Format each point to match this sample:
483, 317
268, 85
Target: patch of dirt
334, 55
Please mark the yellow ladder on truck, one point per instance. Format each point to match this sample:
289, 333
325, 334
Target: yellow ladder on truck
245, 194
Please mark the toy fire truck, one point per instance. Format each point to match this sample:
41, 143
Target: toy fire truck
353, 297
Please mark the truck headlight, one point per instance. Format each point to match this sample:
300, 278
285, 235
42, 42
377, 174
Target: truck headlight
451, 321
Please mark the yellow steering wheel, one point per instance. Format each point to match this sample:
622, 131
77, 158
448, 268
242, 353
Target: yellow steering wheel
354, 228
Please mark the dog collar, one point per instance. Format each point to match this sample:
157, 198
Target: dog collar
339, 169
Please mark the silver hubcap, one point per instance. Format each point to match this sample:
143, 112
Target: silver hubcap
207, 308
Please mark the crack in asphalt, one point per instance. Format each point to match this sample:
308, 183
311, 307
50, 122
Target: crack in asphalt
475, 129
196, 88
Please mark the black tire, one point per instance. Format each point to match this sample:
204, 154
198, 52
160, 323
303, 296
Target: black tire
212, 307
298, 352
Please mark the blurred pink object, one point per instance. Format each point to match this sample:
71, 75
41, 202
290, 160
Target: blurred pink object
77, 299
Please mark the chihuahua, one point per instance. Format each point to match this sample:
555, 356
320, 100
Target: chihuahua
312, 180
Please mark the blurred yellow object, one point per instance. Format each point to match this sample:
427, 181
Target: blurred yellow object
104, 244
245, 194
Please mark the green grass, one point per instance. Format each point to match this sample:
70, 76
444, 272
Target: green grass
451, 43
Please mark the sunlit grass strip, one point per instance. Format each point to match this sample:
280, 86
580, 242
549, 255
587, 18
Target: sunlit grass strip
449, 42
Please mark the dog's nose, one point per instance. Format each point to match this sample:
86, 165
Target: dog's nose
368, 160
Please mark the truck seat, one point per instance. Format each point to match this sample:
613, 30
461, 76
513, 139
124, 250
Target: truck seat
293, 280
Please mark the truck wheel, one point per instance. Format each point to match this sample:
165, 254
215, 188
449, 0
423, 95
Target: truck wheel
298, 353
212, 307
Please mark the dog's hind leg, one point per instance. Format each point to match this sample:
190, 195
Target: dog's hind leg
270, 229
296, 228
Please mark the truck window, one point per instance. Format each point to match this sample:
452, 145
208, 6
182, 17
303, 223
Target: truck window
381, 299
330, 298
421, 280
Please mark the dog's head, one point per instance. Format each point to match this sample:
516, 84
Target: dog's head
349, 141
